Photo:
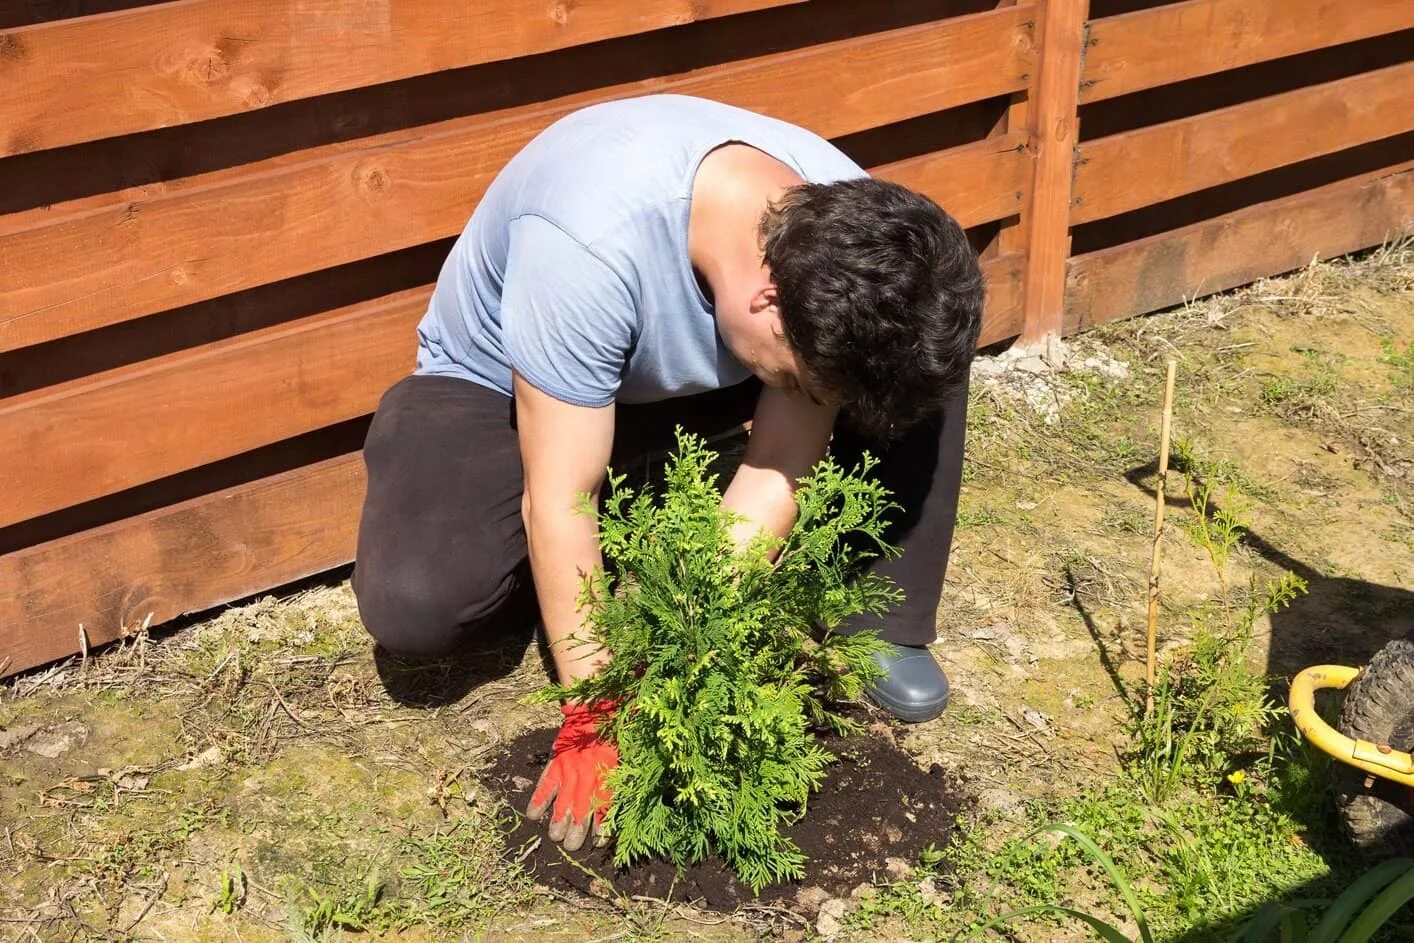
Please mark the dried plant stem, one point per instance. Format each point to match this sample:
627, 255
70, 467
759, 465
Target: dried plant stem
1149, 673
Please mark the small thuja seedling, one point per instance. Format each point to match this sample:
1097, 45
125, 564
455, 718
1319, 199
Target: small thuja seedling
725, 659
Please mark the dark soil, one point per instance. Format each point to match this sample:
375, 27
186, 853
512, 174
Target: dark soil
876, 804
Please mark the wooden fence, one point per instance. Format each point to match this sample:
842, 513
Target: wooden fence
220, 219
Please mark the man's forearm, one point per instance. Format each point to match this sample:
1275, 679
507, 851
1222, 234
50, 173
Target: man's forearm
564, 549
764, 498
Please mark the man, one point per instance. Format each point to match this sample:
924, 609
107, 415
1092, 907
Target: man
643, 263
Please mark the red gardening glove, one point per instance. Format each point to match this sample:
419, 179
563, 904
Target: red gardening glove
574, 777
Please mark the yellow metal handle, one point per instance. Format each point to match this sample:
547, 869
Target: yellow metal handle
1375, 759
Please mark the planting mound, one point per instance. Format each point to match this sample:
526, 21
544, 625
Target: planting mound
875, 804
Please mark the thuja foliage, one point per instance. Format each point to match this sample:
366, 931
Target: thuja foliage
725, 659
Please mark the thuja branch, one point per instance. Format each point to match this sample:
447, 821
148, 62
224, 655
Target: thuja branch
724, 661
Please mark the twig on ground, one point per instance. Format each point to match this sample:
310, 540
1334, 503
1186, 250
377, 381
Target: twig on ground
83, 651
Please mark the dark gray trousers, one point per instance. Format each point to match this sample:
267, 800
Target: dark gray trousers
442, 559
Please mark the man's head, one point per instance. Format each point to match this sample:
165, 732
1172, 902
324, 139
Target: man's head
877, 297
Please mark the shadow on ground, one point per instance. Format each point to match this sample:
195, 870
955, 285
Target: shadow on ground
498, 652
1338, 620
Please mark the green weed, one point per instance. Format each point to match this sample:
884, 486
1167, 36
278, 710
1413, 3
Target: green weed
318, 916
1216, 525
232, 890
1127, 520
1302, 397
1209, 705
1107, 930
1400, 363
977, 517
456, 877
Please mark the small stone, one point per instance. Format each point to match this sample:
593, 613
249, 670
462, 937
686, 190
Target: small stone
897, 869
832, 911
208, 757
521, 783
17, 735
863, 890
928, 890
55, 741
130, 781
810, 898
1035, 718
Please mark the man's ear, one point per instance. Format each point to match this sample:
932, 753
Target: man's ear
765, 299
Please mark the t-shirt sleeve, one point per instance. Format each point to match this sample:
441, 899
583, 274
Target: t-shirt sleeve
567, 319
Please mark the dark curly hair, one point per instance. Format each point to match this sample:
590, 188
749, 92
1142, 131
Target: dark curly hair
880, 296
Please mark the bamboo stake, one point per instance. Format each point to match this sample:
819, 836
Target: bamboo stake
1150, 672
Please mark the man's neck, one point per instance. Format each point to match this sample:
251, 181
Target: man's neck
734, 185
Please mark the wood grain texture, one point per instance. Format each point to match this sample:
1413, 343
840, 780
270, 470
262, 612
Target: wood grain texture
102, 260
1178, 41
1002, 316
1138, 168
184, 558
173, 63
1052, 120
976, 183
1240, 247
98, 435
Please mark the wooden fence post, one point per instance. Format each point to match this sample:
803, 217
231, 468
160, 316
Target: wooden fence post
1053, 123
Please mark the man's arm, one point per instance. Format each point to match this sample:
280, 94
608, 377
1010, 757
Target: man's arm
565, 450
789, 434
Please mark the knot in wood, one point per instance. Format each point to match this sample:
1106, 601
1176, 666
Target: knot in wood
252, 92
373, 179
209, 66
11, 49
561, 11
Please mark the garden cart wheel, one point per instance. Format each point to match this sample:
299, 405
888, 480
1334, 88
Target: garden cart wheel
1379, 813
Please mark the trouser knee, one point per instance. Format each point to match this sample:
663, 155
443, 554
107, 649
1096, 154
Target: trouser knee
412, 617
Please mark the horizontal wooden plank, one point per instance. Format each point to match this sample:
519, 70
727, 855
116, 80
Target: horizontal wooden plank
976, 183
1149, 165
171, 63
1002, 317
185, 558
96, 436
1240, 247
230, 544
101, 260
1177, 41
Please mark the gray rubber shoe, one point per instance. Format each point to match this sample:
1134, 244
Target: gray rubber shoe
913, 688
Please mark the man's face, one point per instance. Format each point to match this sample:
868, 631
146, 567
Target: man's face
757, 338
781, 367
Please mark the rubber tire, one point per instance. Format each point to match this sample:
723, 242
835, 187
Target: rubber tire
1380, 708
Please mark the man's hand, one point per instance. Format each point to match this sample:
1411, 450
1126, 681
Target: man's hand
789, 434
574, 778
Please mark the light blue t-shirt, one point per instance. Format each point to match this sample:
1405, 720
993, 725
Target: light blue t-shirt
574, 267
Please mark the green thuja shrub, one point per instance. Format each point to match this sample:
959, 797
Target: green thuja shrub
724, 661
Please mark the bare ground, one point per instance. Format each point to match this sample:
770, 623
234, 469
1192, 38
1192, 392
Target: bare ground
259, 776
